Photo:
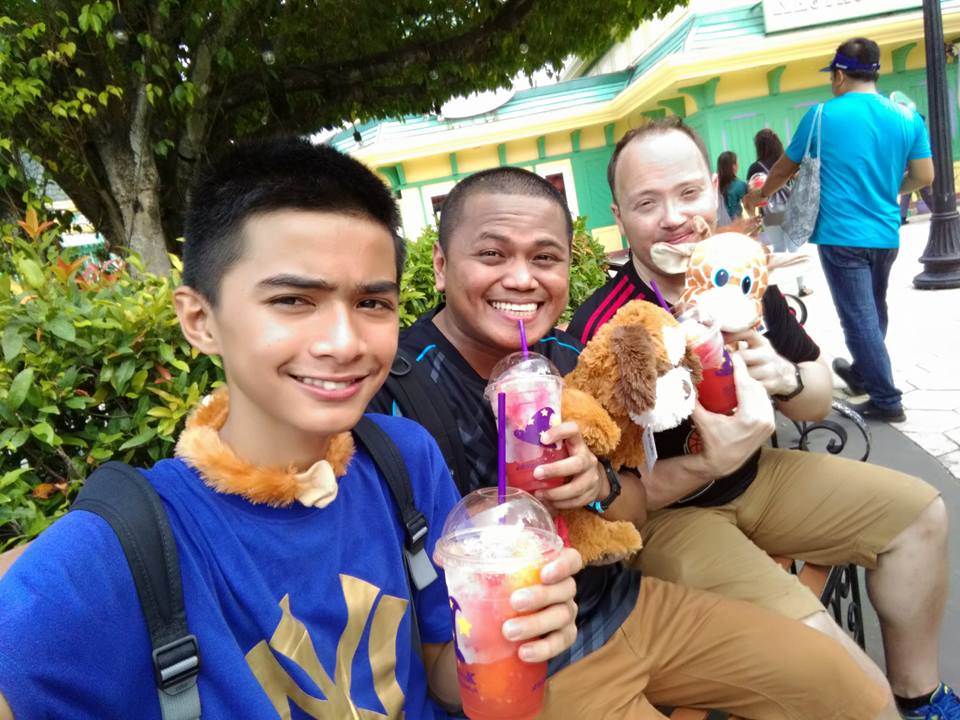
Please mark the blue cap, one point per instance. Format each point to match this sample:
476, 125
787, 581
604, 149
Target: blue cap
845, 62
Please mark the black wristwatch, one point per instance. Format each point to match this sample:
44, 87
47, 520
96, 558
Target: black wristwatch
602, 505
796, 391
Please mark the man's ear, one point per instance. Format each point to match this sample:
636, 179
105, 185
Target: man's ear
616, 216
439, 268
196, 320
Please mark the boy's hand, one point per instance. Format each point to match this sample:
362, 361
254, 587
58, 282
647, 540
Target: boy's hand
550, 626
587, 478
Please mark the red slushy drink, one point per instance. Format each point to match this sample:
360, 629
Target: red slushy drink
716, 392
532, 386
487, 551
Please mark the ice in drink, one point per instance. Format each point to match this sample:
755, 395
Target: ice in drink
488, 550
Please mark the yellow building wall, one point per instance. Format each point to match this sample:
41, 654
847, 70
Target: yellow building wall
557, 144
609, 238
475, 159
592, 137
742, 86
427, 168
519, 151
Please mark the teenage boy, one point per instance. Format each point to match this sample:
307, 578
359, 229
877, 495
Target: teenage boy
504, 255
720, 500
291, 265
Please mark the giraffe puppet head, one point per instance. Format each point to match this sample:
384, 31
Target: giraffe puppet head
725, 276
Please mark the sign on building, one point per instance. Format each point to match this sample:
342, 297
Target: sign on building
791, 14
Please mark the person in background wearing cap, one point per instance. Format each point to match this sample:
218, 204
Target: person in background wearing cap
871, 151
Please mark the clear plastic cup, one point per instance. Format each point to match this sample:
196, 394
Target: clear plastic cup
487, 550
533, 387
716, 391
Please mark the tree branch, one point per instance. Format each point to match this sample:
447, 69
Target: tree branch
469, 47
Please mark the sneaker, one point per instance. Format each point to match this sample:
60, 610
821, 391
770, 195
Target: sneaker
805, 291
870, 411
944, 705
844, 371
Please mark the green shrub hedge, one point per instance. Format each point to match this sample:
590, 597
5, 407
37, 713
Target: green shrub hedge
95, 367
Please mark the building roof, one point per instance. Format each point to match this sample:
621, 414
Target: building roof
578, 94
731, 38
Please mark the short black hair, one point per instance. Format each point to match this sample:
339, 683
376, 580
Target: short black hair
280, 173
864, 50
506, 180
653, 127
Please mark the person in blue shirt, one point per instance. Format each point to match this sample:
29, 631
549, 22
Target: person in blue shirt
871, 150
294, 582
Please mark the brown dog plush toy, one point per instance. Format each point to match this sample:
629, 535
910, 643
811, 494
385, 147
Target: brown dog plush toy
636, 373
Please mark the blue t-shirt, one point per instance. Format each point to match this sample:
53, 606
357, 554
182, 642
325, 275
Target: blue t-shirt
299, 608
867, 142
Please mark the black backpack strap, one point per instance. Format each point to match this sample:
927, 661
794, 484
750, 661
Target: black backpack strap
394, 470
129, 504
418, 399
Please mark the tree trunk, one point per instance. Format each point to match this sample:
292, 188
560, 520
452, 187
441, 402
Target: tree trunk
135, 185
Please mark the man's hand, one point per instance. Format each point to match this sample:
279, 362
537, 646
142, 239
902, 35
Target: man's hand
550, 625
775, 373
729, 440
587, 478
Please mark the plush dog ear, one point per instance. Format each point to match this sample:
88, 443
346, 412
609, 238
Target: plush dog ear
637, 358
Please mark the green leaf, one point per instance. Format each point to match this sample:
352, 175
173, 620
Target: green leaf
76, 403
62, 328
139, 439
19, 387
44, 432
12, 342
19, 438
11, 477
31, 273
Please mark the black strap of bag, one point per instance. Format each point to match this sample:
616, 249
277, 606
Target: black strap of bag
388, 459
412, 390
129, 504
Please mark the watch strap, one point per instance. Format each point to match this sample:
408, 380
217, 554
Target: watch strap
602, 505
797, 390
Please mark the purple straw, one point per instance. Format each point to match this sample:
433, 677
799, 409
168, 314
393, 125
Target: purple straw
656, 291
502, 446
523, 339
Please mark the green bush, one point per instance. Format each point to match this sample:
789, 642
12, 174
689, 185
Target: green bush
94, 369
588, 271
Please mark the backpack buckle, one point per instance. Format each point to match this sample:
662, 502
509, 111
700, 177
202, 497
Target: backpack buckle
419, 566
177, 662
401, 366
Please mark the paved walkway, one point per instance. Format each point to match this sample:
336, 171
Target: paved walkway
923, 340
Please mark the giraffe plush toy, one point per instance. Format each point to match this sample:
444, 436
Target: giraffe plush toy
725, 276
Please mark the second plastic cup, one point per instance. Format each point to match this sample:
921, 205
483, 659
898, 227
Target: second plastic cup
716, 391
487, 550
533, 389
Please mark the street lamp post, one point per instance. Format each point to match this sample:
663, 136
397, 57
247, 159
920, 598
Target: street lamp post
941, 257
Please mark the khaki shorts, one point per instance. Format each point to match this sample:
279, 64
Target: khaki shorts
686, 648
809, 506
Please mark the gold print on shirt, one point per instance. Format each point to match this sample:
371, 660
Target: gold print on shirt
292, 640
